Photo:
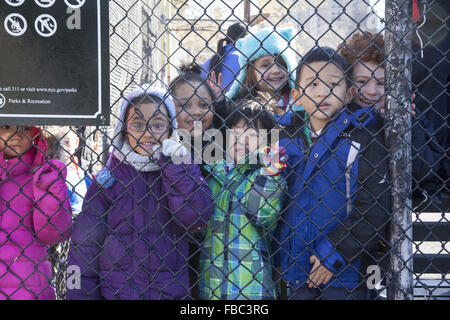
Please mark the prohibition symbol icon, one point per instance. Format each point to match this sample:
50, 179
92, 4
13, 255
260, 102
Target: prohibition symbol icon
45, 3
2, 101
15, 24
75, 4
45, 25
15, 3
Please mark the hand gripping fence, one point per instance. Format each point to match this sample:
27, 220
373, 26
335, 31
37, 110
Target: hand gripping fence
258, 149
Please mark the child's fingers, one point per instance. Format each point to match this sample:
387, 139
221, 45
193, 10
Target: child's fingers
322, 276
312, 260
211, 79
313, 279
317, 276
216, 87
328, 278
314, 276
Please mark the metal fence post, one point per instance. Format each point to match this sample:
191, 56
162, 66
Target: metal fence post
247, 11
398, 140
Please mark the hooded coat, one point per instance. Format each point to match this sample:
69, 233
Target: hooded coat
35, 214
130, 241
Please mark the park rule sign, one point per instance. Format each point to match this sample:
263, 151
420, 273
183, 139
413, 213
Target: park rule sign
54, 62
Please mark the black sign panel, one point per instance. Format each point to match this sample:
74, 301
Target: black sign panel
54, 62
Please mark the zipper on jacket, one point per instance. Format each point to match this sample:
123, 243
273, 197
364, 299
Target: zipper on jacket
148, 231
308, 216
307, 147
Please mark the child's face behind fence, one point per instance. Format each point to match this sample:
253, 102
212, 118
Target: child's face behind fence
193, 106
15, 140
69, 145
242, 141
270, 74
147, 125
368, 78
322, 92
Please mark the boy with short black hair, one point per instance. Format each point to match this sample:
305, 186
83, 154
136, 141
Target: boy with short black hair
337, 180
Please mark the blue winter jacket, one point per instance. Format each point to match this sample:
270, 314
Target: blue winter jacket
338, 202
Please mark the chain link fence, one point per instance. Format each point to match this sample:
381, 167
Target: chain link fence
309, 159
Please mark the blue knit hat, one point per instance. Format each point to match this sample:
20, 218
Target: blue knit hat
264, 42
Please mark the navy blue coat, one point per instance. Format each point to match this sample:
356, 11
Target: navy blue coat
338, 200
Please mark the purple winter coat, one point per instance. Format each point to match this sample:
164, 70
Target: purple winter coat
131, 239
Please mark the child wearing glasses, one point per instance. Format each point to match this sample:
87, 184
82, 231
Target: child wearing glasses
130, 241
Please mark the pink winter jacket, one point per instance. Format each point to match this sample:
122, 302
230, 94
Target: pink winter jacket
31, 220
